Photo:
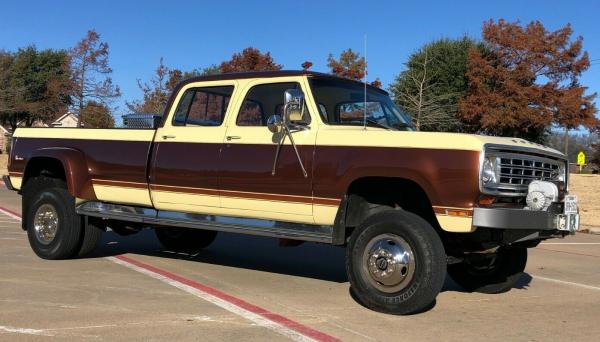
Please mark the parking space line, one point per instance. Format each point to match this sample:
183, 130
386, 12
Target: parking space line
262, 317
563, 282
565, 252
25, 331
570, 243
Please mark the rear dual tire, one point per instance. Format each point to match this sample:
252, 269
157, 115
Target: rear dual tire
54, 229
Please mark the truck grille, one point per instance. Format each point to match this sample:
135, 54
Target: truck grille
514, 170
522, 170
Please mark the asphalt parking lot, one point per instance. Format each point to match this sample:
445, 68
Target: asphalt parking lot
249, 288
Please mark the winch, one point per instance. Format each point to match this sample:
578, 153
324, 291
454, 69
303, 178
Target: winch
541, 194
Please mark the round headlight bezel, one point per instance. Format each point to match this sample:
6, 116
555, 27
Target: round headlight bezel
488, 174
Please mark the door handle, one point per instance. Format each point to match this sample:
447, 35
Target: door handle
233, 137
168, 137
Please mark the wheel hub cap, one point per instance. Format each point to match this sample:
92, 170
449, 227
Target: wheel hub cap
45, 223
388, 262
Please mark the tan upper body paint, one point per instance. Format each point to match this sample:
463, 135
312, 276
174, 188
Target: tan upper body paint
295, 208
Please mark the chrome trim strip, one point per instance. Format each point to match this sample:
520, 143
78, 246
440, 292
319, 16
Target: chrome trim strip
279, 229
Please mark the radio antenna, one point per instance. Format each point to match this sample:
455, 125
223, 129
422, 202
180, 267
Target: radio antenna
365, 87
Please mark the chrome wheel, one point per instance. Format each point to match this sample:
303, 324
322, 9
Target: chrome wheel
389, 263
45, 223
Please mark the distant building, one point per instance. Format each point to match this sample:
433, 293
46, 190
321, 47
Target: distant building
4, 137
67, 120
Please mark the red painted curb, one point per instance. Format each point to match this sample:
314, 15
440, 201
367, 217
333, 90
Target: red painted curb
10, 211
304, 330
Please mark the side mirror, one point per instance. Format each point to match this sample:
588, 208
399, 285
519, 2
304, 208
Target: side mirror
293, 108
275, 123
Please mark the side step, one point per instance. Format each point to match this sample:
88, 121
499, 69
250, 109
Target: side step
278, 229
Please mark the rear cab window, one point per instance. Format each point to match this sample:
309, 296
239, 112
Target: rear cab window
205, 106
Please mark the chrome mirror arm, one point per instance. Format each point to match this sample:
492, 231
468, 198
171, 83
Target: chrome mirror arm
277, 154
297, 153
287, 132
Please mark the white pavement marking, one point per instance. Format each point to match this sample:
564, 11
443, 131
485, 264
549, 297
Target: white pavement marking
569, 283
570, 243
257, 319
25, 331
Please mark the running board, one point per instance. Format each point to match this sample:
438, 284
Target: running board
278, 229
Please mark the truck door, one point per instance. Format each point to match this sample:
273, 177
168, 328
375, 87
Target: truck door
184, 166
248, 186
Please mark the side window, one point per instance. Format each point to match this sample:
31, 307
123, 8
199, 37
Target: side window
263, 101
203, 106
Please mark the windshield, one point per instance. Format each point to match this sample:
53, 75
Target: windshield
342, 102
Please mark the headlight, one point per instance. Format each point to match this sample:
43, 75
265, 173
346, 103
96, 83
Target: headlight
487, 172
561, 174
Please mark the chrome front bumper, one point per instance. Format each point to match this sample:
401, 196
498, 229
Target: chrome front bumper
503, 218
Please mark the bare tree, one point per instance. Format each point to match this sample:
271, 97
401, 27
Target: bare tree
90, 70
426, 107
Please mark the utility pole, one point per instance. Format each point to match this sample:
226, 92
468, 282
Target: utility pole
567, 142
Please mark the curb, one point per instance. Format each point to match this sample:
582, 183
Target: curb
590, 230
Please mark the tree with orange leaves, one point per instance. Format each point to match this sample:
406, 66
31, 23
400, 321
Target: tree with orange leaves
307, 65
250, 59
349, 65
526, 81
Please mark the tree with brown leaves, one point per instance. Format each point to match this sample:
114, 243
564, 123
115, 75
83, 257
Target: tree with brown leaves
349, 65
376, 83
527, 81
250, 59
307, 65
156, 92
90, 69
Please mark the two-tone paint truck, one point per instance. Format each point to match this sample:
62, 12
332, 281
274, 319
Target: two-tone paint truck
301, 156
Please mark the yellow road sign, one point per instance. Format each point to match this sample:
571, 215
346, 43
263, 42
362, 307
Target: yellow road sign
581, 158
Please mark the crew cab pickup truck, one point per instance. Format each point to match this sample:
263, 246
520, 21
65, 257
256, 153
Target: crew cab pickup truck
301, 156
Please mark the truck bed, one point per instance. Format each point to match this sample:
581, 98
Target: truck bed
112, 157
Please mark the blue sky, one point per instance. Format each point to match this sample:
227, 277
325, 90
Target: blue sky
195, 34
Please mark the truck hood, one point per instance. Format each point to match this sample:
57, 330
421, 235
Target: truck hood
375, 137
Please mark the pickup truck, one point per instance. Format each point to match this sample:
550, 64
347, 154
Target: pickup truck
301, 156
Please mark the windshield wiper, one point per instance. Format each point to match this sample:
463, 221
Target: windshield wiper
372, 123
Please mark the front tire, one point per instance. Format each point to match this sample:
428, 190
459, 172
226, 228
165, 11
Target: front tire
185, 240
395, 263
494, 273
53, 226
